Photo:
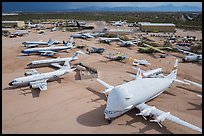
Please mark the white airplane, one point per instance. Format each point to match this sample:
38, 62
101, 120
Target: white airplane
118, 23
134, 94
54, 62
140, 62
39, 80
157, 73
29, 44
108, 40
194, 83
190, 56
128, 43
34, 25
89, 35
51, 50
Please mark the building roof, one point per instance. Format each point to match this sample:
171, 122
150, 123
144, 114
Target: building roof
11, 21
157, 24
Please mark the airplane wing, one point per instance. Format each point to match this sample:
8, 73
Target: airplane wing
57, 65
151, 47
47, 53
159, 116
41, 84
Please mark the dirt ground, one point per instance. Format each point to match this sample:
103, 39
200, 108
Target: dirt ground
76, 106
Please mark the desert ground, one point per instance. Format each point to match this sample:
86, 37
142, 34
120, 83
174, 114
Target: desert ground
76, 106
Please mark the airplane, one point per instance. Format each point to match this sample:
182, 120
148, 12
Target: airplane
119, 23
17, 33
84, 27
194, 83
118, 56
29, 44
190, 56
128, 43
157, 73
135, 94
49, 51
184, 44
151, 49
89, 35
39, 80
96, 50
54, 62
108, 40
33, 25
140, 62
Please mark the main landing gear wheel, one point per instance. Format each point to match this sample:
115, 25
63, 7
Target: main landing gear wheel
109, 121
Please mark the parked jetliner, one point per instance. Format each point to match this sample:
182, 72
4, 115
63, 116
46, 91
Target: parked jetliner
119, 23
54, 62
108, 40
89, 35
128, 43
135, 94
190, 56
39, 80
49, 51
35, 43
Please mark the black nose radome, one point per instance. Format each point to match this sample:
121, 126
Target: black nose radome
11, 84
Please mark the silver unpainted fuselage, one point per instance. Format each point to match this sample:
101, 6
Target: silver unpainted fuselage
24, 81
37, 50
41, 63
124, 97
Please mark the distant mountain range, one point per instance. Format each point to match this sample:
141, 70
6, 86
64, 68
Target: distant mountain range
163, 8
157, 8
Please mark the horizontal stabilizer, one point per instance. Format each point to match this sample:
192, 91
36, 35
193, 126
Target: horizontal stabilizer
107, 86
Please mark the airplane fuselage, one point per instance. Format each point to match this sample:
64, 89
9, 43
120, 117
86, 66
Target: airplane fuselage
41, 63
37, 50
24, 81
123, 98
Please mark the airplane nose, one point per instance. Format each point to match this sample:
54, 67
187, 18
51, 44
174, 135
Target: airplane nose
22, 51
11, 84
29, 64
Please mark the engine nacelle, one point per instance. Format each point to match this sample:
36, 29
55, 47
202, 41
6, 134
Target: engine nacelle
31, 72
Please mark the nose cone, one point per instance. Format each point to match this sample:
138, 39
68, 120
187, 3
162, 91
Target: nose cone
29, 65
22, 51
11, 84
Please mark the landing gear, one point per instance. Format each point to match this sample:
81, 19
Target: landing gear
109, 120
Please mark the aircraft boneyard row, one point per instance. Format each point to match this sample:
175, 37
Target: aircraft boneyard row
121, 98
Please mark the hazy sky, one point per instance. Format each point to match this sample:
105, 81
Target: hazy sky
72, 5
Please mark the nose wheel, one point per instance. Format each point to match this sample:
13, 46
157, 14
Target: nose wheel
109, 121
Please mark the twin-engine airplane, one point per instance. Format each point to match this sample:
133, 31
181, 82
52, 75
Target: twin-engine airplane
135, 94
39, 80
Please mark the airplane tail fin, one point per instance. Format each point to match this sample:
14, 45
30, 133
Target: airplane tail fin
74, 56
50, 42
173, 74
78, 25
139, 74
66, 66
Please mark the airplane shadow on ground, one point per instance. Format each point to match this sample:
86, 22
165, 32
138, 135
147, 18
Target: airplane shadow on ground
190, 90
148, 125
196, 106
77, 75
151, 55
95, 118
23, 91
